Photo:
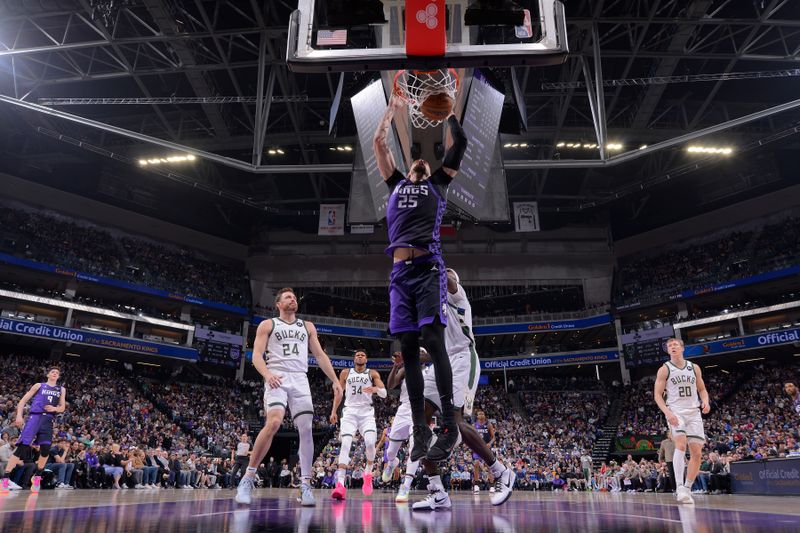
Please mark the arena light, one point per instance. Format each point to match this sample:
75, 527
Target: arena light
711, 150
642, 147
614, 146
146, 364
166, 160
751, 360
113, 360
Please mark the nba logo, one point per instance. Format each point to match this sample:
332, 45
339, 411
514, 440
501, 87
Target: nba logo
331, 217
425, 28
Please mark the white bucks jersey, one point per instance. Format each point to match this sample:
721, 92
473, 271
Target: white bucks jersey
354, 387
287, 348
458, 333
681, 388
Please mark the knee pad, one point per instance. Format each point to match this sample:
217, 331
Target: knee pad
344, 450
22, 451
44, 450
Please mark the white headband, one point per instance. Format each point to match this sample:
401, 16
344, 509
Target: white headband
455, 274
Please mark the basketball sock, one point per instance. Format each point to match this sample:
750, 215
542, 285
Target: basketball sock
435, 482
679, 463
497, 469
306, 448
394, 447
305, 480
340, 474
407, 480
251, 471
412, 467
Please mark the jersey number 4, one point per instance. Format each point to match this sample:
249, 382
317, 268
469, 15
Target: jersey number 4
290, 349
406, 200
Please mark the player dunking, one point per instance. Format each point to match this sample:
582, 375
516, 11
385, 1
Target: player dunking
681, 395
49, 399
791, 390
286, 341
418, 285
359, 385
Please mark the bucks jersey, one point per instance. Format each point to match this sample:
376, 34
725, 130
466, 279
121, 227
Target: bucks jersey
354, 396
458, 333
681, 391
287, 347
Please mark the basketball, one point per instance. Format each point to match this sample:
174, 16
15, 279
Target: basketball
437, 106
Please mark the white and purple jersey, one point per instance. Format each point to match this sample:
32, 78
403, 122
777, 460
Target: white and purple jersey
46, 395
796, 404
415, 210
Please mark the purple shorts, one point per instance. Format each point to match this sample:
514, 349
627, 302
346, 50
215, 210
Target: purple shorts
417, 293
38, 428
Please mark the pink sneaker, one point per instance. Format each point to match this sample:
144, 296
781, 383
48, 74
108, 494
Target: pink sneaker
36, 483
4, 484
338, 492
367, 487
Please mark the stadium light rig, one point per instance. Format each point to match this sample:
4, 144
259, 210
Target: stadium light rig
713, 150
166, 160
275, 151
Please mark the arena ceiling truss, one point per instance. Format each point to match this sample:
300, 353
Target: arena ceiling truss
134, 77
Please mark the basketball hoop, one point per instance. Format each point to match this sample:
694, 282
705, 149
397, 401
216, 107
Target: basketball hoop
415, 86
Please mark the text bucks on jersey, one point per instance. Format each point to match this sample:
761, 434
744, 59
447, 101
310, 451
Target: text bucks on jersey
681, 390
287, 349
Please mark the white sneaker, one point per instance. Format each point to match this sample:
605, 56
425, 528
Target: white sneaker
138, 486
244, 490
683, 495
402, 495
306, 498
504, 487
60, 486
476, 489
437, 499
386, 475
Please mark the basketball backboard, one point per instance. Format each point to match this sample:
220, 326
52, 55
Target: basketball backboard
315, 45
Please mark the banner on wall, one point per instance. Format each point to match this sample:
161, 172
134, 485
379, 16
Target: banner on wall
526, 217
541, 327
634, 443
736, 344
331, 219
79, 336
772, 476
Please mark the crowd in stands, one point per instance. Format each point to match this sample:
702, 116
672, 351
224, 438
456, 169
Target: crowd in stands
137, 429
60, 242
739, 254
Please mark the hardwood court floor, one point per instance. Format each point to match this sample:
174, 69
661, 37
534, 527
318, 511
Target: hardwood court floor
276, 510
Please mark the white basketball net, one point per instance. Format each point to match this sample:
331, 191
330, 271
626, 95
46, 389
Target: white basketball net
414, 86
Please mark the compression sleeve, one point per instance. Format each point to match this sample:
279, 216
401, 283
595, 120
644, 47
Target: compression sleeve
452, 159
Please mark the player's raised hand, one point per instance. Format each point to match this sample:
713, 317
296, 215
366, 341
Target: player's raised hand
397, 359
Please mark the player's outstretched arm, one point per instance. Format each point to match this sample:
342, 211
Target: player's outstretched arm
458, 145
705, 403
23, 401
259, 347
658, 395
380, 142
337, 400
323, 360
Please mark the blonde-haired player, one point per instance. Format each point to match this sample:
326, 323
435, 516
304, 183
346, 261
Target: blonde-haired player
681, 395
359, 384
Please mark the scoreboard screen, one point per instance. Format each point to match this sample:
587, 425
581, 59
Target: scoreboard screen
647, 347
218, 347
